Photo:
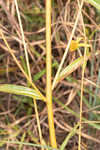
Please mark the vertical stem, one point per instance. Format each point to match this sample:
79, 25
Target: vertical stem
38, 122
23, 38
82, 84
48, 75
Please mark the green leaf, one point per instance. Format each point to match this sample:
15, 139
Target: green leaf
29, 144
69, 136
72, 67
95, 3
38, 75
19, 90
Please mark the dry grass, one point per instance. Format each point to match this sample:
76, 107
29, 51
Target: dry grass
25, 65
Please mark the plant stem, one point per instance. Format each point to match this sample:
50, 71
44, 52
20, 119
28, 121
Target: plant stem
48, 75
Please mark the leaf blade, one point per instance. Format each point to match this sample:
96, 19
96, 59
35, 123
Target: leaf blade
19, 90
72, 67
95, 3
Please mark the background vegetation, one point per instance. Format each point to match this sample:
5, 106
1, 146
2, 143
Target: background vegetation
75, 42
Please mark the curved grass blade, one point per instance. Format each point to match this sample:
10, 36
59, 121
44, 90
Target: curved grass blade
29, 144
95, 3
19, 90
71, 67
69, 136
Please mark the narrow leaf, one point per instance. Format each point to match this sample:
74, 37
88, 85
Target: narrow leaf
95, 3
68, 137
19, 90
71, 67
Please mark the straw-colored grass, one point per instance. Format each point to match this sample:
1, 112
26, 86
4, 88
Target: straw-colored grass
49, 65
